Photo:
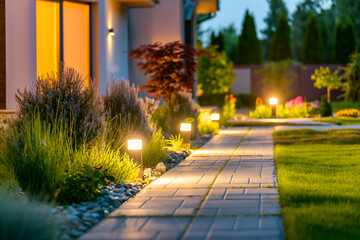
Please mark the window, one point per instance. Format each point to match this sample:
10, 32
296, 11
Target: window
63, 35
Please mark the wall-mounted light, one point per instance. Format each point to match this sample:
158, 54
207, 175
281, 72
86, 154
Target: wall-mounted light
185, 129
111, 32
215, 116
134, 149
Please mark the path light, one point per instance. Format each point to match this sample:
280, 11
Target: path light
134, 146
215, 116
273, 102
185, 129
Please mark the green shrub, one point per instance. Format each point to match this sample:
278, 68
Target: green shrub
21, 219
261, 111
175, 142
184, 108
325, 107
63, 98
229, 109
206, 125
245, 100
161, 117
217, 99
83, 185
155, 151
117, 162
126, 111
37, 158
294, 112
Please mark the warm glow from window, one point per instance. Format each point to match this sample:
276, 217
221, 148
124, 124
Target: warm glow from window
273, 101
47, 35
77, 37
134, 144
185, 127
215, 116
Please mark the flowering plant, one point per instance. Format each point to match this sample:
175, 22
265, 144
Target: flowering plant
349, 112
298, 101
229, 108
259, 101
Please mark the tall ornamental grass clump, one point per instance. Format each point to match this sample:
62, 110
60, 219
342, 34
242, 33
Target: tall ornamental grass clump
118, 163
21, 219
155, 151
62, 97
126, 111
37, 159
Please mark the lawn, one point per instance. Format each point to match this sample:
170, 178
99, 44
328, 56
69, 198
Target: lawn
339, 105
319, 183
340, 120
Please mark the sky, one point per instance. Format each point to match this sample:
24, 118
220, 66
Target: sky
233, 11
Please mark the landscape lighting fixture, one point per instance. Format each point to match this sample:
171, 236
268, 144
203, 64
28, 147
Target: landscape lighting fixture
185, 129
273, 101
215, 116
111, 32
134, 149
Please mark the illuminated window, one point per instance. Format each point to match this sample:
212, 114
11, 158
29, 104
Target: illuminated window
63, 35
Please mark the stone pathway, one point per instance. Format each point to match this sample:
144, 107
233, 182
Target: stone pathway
226, 190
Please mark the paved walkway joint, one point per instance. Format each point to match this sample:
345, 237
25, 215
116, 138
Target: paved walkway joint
226, 190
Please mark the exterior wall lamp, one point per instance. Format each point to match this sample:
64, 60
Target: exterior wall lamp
111, 32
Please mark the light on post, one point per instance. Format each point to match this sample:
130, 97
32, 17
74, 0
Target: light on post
215, 116
111, 32
134, 149
273, 102
185, 129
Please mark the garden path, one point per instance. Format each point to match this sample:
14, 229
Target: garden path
226, 190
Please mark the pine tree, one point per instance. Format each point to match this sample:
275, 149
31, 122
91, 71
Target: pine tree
344, 41
213, 39
248, 49
220, 42
275, 8
281, 42
313, 48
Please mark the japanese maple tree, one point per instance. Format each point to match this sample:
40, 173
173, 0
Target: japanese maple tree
170, 67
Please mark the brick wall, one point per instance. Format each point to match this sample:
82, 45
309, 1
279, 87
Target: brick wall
301, 82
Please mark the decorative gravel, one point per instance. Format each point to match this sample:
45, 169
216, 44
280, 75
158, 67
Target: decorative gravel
80, 217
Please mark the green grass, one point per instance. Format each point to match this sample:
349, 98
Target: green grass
340, 120
319, 176
339, 105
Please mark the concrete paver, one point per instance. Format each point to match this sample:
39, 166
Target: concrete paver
217, 193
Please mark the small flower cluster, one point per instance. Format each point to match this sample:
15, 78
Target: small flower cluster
259, 101
230, 98
349, 112
298, 101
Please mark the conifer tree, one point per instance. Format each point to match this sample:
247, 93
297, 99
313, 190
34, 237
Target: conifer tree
281, 41
344, 41
220, 42
312, 49
248, 49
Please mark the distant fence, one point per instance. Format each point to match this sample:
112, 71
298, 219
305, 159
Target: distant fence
249, 80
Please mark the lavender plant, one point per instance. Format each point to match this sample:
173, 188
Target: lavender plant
63, 97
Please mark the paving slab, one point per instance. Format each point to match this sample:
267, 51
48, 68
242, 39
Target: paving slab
216, 193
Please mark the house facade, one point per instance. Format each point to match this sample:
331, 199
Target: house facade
90, 35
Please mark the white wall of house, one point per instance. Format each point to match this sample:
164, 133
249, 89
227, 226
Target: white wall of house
108, 52
242, 81
163, 23
20, 47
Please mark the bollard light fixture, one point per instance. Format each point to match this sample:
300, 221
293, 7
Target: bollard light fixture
273, 101
134, 149
215, 116
185, 127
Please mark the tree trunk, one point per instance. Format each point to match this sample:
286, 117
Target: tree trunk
328, 94
170, 114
